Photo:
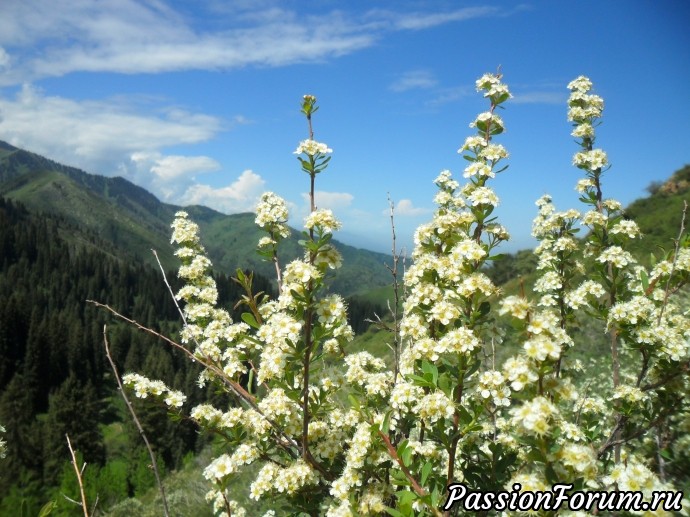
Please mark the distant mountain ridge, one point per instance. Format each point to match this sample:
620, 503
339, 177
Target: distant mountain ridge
134, 221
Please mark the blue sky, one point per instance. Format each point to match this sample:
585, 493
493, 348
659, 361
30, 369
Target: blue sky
199, 101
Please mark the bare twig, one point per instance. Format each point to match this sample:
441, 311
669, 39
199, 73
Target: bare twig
167, 284
154, 464
79, 473
396, 295
235, 387
675, 261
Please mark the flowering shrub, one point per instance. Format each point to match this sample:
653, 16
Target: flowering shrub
328, 431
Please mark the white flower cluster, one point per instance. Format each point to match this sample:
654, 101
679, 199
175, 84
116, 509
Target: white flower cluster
323, 219
356, 456
588, 292
368, 372
326, 437
630, 394
185, 231
331, 310
279, 333
143, 387
493, 87
312, 148
492, 386
218, 503
285, 480
583, 106
634, 476
535, 417
280, 408
487, 119
519, 372
595, 159
583, 109
209, 327
212, 418
272, 215
225, 464
581, 459
664, 267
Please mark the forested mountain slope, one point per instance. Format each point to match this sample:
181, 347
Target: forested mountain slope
132, 220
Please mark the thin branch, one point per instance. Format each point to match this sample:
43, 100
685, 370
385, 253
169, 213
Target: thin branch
78, 472
235, 387
418, 489
154, 464
396, 295
167, 284
621, 421
675, 261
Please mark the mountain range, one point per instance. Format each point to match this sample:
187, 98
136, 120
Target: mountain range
127, 221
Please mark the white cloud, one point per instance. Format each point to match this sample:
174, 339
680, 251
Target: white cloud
240, 196
330, 200
127, 36
405, 208
418, 21
55, 38
171, 167
414, 79
111, 137
97, 135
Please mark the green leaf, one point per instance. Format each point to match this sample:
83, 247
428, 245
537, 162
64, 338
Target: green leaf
250, 320
385, 425
465, 416
250, 382
645, 280
47, 509
426, 470
430, 372
473, 368
421, 381
354, 401
405, 497
401, 447
484, 308
406, 456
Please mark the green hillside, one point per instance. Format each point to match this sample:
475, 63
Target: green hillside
659, 215
131, 220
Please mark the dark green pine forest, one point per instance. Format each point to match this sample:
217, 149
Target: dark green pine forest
54, 378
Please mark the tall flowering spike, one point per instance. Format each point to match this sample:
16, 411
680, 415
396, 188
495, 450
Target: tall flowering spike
447, 322
584, 109
316, 153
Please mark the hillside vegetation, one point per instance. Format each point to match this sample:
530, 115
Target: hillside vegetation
132, 221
